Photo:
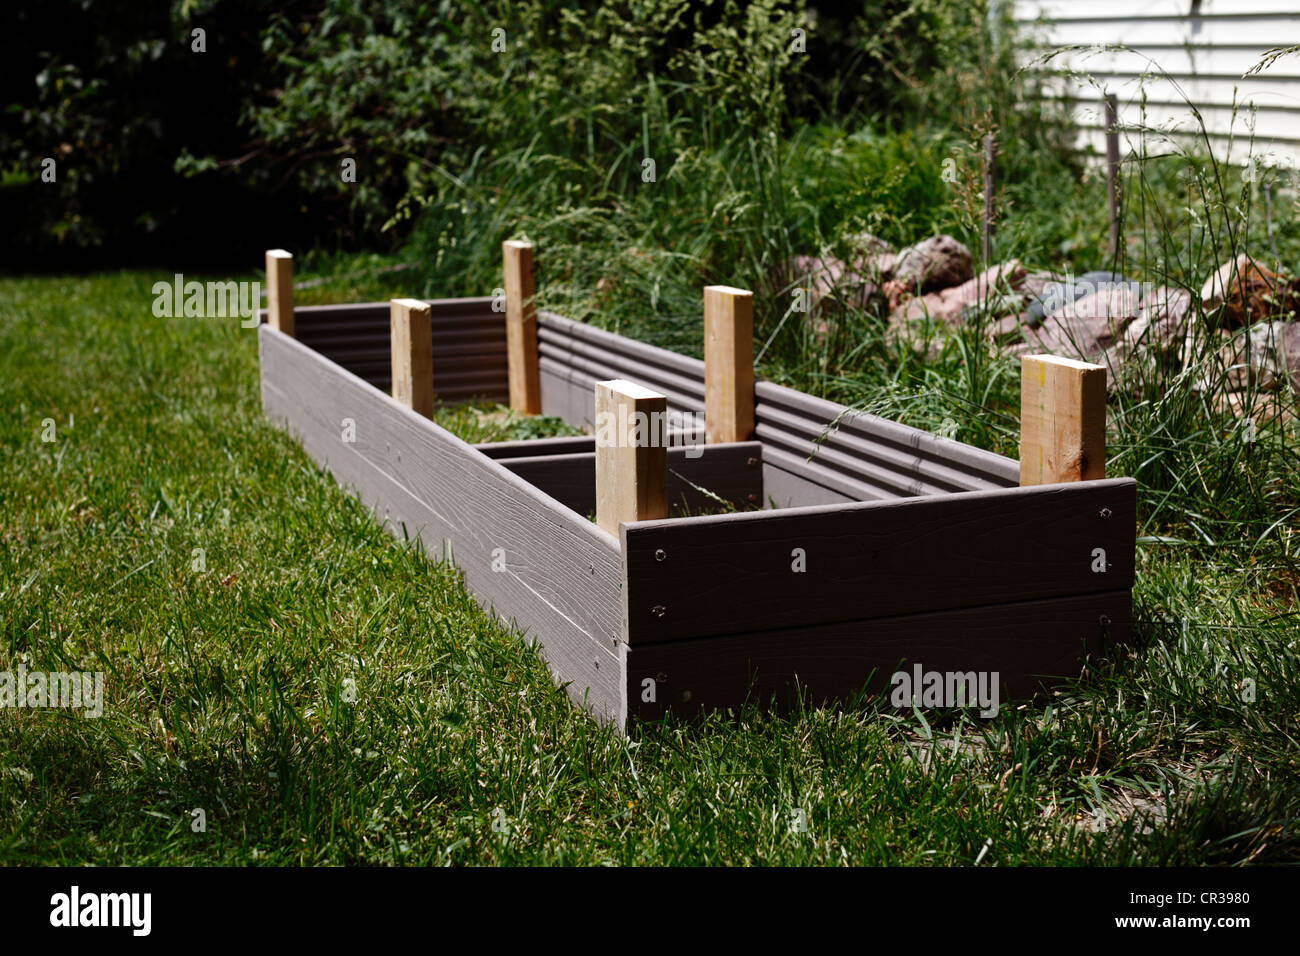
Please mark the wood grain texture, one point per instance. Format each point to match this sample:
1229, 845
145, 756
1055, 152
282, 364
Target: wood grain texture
521, 327
411, 352
1030, 644
739, 572
728, 364
1062, 420
522, 553
732, 472
279, 290
631, 454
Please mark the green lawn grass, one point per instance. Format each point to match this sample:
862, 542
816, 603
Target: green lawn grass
327, 695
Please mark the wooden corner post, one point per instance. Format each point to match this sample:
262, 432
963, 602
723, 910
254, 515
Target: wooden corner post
728, 364
631, 454
411, 334
1062, 420
279, 290
521, 328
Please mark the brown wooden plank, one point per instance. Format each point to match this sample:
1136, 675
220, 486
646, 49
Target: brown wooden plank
279, 290
1062, 420
739, 572
411, 354
1028, 644
728, 364
631, 454
521, 327
520, 551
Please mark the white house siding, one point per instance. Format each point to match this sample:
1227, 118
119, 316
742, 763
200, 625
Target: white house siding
1188, 51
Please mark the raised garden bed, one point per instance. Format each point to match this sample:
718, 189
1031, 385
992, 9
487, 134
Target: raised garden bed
856, 552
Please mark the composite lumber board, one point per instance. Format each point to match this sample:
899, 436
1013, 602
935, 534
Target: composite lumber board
469, 344
575, 356
862, 457
571, 383
345, 314
452, 391
1029, 644
576, 369
918, 455
557, 328
478, 498
784, 488
598, 359
569, 394
791, 483
739, 572
563, 574
538, 447
829, 461
732, 471
447, 340
460, 381
874, 457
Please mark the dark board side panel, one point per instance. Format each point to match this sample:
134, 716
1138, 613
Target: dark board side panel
469, 345
536, 447
574, 356
835, 444
820, 485
740, 572
860, 458
730, 471
1030, 645
785, 488
520, 551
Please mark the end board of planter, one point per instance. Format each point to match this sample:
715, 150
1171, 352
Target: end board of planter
823, 601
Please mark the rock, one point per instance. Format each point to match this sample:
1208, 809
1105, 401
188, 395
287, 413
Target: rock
951, 307
1161, 323
1009, 329
1242, 292
998, 303
939, 262
822, 275
872, 257
1060, 292
1086, 328
1037, 282
1263, 407
1215, 287
1262, 357
865, 243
